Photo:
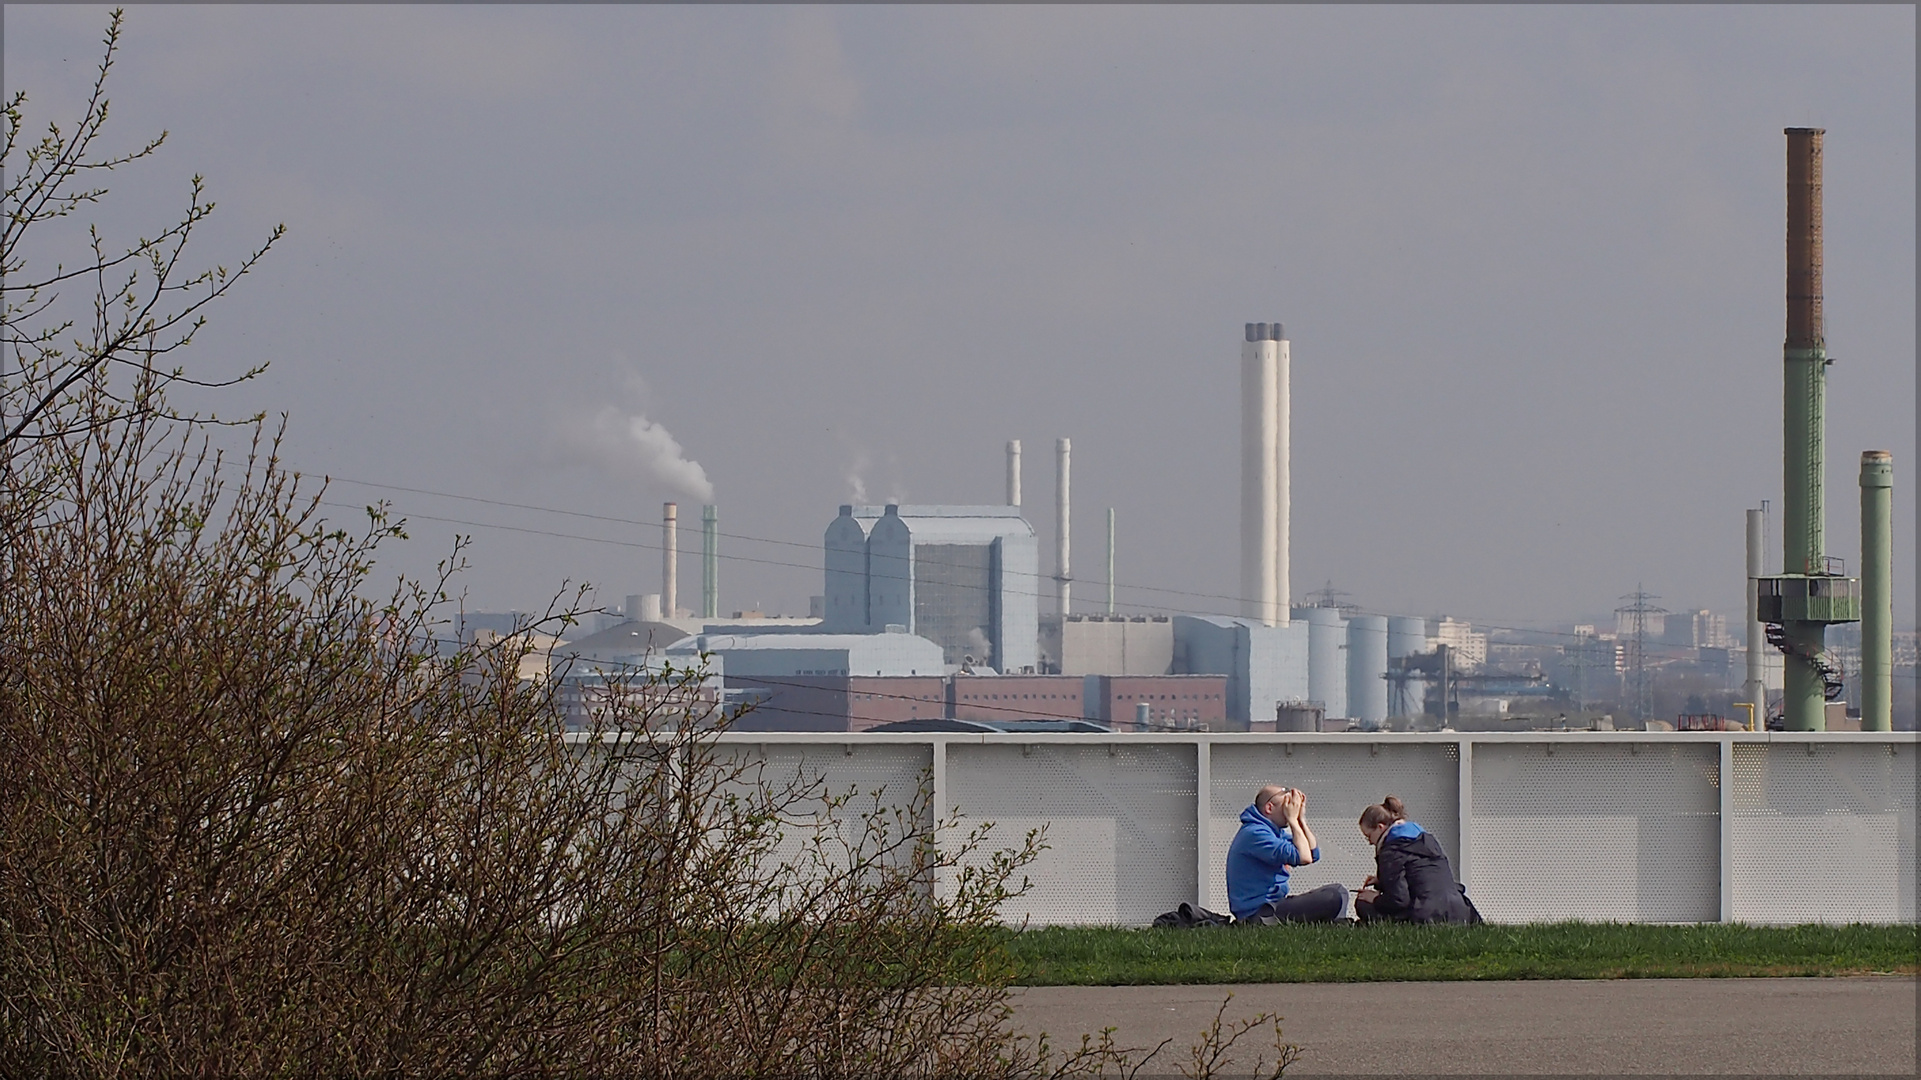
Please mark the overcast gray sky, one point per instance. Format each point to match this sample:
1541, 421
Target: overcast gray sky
1530, 260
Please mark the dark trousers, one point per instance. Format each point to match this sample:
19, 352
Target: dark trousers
1325, 904
1364, 911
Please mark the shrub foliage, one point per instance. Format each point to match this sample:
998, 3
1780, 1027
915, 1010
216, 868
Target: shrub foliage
258, 818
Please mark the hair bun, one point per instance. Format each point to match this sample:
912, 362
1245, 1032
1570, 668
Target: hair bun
1394, 806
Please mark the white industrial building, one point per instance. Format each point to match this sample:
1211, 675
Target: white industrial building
779, 655
964, 577
1117, 645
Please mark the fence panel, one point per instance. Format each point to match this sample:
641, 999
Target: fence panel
1819, 828
873, 777
1119, 816
1824, 832
1341, 779
1623, 831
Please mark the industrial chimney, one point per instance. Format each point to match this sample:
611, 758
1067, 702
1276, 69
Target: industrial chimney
1877, 590
710, 562
1808, 597
1065, 578
1110, 560
1013, 472
670, 559
1264, 474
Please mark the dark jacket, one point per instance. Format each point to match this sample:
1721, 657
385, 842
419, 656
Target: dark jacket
1416, 882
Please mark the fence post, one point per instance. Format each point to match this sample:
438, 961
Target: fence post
1203, 800
1464, 814
1726, 786
937, 802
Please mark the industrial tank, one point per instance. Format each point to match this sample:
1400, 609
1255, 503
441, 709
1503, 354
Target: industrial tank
1326, 657
1406, 636
1367, 668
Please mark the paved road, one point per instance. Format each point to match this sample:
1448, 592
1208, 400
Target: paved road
1673, 1026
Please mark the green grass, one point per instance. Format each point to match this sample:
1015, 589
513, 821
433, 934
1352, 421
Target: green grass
1106, 956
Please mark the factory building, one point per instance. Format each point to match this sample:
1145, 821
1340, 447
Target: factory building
1117, 645
1017, 697
836, 702
748, 656
1263, 665
1166, 702
964, 577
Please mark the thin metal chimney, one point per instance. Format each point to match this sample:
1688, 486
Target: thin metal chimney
1013, 472
670, 559
709, 562
1065, 578
1754, 689
1877, 590
1110, 560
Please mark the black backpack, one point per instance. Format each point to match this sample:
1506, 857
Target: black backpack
1188, 915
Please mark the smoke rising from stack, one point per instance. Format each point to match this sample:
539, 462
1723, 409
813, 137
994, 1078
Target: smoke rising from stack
622, 443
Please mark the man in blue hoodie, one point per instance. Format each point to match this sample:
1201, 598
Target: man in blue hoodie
1275, 837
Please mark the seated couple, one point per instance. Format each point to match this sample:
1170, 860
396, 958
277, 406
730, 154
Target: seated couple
1412, 882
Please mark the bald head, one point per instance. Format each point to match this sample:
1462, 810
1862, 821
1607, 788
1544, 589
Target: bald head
1267, 795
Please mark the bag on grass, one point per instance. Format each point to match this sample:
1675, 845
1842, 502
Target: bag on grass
1188, 915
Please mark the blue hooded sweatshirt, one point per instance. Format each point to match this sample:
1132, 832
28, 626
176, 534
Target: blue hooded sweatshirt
1403, 829
1257, 863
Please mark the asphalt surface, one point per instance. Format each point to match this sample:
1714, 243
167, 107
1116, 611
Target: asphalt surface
1755, 1027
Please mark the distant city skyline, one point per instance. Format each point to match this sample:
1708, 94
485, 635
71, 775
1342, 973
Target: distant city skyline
597, 258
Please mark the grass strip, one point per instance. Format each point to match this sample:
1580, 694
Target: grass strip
1111, 956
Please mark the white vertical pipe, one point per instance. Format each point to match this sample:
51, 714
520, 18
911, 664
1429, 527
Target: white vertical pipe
1110, 560
1065, 579
1013, 472
1260, 458
1755, 688
1283, 480
670, 559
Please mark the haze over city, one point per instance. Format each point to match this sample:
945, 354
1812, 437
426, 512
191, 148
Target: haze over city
593, 259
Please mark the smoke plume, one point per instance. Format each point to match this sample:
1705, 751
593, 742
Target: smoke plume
624, 442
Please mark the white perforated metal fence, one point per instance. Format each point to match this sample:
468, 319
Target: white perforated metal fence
1629, 826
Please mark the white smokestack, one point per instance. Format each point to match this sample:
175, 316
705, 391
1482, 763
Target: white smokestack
1013, 472
1284, 476
670, 560
1264, 475
1065, 579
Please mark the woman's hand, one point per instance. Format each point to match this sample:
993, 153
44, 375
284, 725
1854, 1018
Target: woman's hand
1368, 880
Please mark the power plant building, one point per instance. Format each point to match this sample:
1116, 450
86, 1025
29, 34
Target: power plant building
1117, 645
778, 655
964, 577
1264, 665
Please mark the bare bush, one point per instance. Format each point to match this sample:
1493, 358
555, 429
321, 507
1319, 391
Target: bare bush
257, 819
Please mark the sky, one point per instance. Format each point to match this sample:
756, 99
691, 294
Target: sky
589, 259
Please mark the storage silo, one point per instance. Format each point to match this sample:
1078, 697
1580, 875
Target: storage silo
1326, 657
1367, 668
1406, 636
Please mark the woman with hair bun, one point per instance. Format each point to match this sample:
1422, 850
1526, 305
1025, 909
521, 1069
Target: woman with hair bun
1412, 879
